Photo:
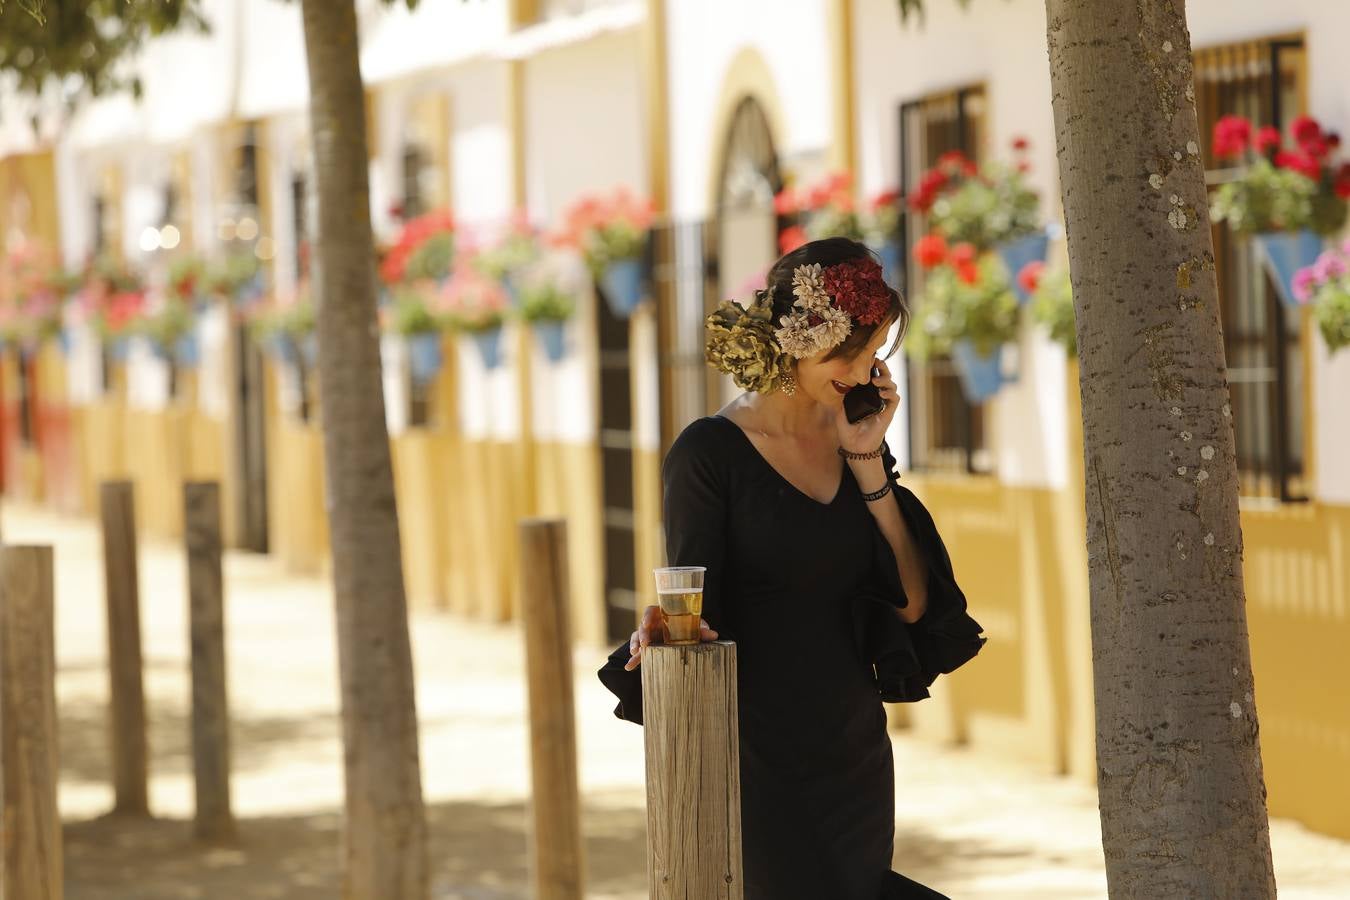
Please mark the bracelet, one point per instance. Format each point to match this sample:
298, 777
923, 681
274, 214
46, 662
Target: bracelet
879, 492
849, 454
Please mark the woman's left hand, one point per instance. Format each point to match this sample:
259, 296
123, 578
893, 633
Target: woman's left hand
867, 435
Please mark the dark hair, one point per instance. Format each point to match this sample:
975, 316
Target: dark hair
828, 252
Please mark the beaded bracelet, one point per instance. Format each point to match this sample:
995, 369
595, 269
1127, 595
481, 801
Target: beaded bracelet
849, 454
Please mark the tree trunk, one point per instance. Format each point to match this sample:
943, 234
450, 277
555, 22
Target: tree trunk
385, 831
1179, 766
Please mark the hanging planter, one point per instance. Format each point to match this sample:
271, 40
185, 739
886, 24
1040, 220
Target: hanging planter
489, 343
552, 335
980, 374
424, 356
892, 262
309, 349
621, 283
1284, 253
117, 348
1020, 251
186, 350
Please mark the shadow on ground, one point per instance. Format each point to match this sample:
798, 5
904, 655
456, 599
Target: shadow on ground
477, 851
255, 741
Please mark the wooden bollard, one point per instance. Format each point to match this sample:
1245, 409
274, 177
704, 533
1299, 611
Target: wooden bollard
214, 820
693, 772
32, 824
127, 731
556, 854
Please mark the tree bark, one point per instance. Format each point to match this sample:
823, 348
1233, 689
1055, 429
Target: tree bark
1179, 766
385, 831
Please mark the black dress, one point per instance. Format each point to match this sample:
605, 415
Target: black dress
808, 591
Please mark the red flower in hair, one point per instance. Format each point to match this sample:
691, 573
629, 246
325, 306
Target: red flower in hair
1267, 138
790, 239
859, 290
930, 250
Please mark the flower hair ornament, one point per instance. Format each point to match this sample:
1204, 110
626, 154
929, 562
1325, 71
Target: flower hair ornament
744, 342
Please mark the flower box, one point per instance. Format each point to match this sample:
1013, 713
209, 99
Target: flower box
424, 356
621, 283
552, 335
980, 374
1284, 253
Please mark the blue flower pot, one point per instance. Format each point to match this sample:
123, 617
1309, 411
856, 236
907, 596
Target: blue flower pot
621, 284
980, 376
489, 345
117, 349
892, 263
1286, 252
552, 335
186, 350
424, 356
1017, 253
63, 342
309, 349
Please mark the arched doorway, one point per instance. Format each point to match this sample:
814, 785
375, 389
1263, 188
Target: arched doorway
746, 225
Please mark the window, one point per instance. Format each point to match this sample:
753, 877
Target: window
946, 431
1264, 81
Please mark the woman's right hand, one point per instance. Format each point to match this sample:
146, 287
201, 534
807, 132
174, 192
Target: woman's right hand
651, 631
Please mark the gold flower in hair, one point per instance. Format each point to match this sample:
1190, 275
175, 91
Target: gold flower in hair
741, 343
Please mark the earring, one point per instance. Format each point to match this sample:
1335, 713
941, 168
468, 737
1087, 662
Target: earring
789, 384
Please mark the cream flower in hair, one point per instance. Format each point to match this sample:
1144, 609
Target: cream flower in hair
808, 286
799, 338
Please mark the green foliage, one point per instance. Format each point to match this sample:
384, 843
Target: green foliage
1332, 311
167, 325
915, 8
432, 259
51, 40
545, 301
293, 320
514, 253
1267, 198
951, 308
1052, 306
231, 275
994, 207
409, 314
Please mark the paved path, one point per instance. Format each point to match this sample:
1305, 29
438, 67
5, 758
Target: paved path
968, 823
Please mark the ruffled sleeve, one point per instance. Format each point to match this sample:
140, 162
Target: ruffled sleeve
694, 514
909, 658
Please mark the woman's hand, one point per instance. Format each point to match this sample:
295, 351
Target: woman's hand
652, 631
867, 435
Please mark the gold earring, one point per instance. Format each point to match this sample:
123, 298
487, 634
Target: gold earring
789, 384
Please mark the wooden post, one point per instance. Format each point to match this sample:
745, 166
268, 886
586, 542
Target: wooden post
127, 732
214, 819
555, 846
32, 823
693, 772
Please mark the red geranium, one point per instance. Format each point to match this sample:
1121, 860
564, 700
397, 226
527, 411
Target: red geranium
791, 238
1029, 279
963, 254
968, 272
1232, 134
1020, 143
1267, 138
930, 250
1306, 130
1300, 161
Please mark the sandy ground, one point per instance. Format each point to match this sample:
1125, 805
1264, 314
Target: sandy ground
968, 823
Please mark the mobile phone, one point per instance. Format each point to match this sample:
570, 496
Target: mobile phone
863, 401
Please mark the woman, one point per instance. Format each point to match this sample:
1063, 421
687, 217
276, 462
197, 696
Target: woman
828, 575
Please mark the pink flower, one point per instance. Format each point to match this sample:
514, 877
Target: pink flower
1304, 283
1328, 266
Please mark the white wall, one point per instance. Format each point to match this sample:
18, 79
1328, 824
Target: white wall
1003, 46
703, 38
